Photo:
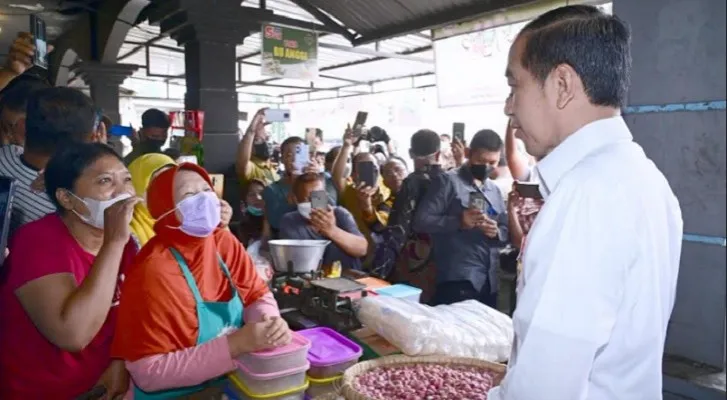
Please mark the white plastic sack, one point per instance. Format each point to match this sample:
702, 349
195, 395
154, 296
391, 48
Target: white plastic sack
262, 264
466, 329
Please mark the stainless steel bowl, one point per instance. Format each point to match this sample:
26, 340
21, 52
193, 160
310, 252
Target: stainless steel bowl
297, 256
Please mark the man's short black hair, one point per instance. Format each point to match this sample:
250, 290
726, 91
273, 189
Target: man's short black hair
596, 45
425, 142
58, 116
487, 140
154, 118
15, 99
319, 133
294, 140
68, 164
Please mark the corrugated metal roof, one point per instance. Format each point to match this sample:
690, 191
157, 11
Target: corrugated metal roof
166, 58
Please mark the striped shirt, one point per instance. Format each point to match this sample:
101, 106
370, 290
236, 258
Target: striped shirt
28, 205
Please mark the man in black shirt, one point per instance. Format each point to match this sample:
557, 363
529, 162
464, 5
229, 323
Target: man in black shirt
152, 136
413, 264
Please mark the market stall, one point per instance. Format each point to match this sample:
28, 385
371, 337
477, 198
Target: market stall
358, 337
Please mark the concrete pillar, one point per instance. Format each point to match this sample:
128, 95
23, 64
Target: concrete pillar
210, 30
677, 113
104, 80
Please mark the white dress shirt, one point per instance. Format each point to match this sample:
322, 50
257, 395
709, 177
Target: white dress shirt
599, 274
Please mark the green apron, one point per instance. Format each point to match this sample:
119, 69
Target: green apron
213, 318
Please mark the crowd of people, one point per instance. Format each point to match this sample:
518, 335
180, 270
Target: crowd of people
124, 269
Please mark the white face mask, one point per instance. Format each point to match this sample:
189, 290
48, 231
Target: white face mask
96, 209
304, 209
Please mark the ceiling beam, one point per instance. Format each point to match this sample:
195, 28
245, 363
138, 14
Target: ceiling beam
440, 19
325, 19
140, 47
375, 53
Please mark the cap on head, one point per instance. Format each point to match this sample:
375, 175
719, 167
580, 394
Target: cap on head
154, 118
425, 143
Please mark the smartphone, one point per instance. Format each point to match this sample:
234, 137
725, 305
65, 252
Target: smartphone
360, 121
319, 200
120, 130
458, 131
7, 197
367, 173
277, 115
37, 29
310, 139
528, 190
301, 158
477, 201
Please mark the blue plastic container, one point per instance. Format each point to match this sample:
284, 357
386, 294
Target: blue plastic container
401, 291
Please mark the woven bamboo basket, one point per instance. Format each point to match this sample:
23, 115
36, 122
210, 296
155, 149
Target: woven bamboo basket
349, 377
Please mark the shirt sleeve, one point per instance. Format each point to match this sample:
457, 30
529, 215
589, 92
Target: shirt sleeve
28, 260
570, 300
345, 221
188, 367
381, 217
431, 213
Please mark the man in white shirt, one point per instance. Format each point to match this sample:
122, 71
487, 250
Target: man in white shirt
601, 260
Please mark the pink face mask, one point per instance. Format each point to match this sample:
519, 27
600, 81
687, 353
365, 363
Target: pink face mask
200, 214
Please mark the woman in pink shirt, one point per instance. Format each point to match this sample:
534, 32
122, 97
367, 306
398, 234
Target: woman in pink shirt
59, 288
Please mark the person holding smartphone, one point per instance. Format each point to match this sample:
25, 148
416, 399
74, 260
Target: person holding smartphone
365, 196
465, 213
255, 154
316, 219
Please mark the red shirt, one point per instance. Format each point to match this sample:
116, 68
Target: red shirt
31, 367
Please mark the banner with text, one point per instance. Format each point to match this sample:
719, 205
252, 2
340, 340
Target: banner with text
289, 53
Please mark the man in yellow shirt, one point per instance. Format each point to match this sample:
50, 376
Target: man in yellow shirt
254, 153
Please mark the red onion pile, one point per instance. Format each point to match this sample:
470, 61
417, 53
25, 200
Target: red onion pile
425, 382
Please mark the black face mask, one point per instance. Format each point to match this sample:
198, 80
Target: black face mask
261, 151
480, 172
153, 145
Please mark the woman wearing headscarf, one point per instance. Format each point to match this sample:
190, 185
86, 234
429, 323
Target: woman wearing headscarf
181, 320
143, 170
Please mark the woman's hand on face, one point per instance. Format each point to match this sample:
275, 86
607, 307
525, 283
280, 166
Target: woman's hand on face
115, 379
117, 220
225, 213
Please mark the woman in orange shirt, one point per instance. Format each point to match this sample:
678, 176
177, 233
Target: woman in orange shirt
180, 322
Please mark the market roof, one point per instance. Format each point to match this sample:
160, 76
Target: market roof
384, 44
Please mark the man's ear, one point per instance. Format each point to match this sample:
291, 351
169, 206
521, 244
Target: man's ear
467, 152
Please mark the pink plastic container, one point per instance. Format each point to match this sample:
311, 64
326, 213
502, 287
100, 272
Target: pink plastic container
278, 359
267, 384
330, 353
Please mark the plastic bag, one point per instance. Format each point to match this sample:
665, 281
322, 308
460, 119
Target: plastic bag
466, 329
262, 263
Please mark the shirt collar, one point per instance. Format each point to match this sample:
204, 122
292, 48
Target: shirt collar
551, 169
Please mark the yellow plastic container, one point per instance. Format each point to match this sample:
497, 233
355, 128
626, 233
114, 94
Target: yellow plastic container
243, 393
322, 387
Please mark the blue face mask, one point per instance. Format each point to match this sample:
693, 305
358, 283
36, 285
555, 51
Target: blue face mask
255, 211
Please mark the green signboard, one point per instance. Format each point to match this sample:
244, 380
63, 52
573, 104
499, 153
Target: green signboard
289, 53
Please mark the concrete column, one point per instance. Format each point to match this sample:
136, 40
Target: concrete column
104, 81
210, 30
676, 112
